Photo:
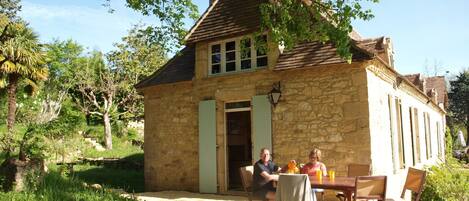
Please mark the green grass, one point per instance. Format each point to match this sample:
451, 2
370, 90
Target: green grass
120, 148
58, 187
127, 180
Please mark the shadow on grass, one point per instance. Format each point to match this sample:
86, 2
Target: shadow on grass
57, 187
129, 180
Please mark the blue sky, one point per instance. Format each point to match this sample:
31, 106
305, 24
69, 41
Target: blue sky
424, 32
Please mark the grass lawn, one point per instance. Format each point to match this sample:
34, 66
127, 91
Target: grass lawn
59, 187
127, 180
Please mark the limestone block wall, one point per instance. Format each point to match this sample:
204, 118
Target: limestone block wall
171, 138
324, 107
384, 160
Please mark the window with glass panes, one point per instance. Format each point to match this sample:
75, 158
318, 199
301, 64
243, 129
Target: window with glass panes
240, 54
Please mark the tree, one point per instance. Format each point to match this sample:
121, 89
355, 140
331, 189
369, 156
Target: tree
21, 58
96, 89
459, 98
289, 21
294, 21
64, 58
9, 8
169, 30
134, 59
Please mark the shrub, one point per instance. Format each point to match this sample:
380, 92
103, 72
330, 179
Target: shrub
447, 182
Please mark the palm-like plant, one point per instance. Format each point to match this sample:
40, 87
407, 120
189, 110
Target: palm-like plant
21, 58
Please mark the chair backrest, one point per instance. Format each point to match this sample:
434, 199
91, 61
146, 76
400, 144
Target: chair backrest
354, 170
370, 187
293, 187
246, 173
414, 182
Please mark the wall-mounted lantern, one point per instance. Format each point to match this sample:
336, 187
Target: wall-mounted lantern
275, 94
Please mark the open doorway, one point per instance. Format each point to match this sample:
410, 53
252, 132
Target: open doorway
238, 136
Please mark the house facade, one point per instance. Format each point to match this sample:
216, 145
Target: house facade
208, 111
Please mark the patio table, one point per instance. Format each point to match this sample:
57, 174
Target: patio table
345, 184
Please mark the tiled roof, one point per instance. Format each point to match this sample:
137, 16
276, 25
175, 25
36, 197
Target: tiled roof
179, 68
439, 84
415, 79
227, 18
314, 54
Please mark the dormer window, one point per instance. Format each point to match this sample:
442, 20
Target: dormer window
239, 54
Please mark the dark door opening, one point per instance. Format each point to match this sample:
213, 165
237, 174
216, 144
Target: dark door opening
238, 132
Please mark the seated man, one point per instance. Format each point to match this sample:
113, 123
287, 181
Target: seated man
263, 178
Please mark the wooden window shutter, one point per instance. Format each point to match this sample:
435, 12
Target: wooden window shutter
207, 147
262, 125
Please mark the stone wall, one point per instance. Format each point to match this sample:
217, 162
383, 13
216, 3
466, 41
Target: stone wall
171, 142
383, 82
323, 107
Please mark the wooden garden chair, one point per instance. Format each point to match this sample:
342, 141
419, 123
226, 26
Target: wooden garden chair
370, 188
246, 173
355, 170
414, 182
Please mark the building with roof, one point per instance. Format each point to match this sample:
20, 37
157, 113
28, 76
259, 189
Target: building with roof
226, 95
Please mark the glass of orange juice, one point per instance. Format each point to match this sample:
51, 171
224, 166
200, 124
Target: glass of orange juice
319, 174
332, 174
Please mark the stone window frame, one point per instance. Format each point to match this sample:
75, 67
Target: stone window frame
253, 55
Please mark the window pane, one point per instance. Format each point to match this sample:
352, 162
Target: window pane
244, 104
245, 53
216, 58
262, 62
216, 48
216, 69
246, 43
230, 56
230, 66
230, 46
246, 64
261, 45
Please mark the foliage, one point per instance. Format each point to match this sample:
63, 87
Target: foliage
293, 21
449, 143
21, 59
64, 58
10, 8
59, 187
459, 98
169, 30
95, 91
134, 59
447, 182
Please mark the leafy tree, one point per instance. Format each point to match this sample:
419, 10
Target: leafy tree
169, 30
294, 21
96, 89
459, 98
10, 7
289, 21
21, 58
134, 59
64, 58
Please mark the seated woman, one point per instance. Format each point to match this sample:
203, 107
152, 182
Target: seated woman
263, 178
314, 164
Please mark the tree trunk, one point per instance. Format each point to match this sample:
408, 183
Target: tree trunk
11, 91
107, 131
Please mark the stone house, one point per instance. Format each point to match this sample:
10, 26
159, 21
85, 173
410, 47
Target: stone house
208, 111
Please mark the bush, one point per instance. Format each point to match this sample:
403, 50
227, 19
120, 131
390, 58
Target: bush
447, 182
